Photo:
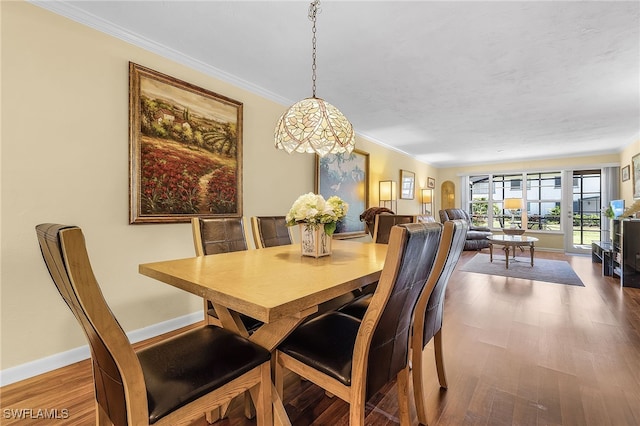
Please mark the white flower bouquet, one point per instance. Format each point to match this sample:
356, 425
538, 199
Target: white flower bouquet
314, 210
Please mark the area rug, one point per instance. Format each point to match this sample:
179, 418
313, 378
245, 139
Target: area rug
551, 271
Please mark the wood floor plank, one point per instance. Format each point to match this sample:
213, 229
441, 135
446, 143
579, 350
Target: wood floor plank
517, 352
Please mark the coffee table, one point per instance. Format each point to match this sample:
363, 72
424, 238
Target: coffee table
510, 242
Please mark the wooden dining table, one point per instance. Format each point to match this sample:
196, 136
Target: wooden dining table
275, 285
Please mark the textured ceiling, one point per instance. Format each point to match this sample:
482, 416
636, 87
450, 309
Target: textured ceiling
448, 82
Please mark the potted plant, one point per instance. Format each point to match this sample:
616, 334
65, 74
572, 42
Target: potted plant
609, 213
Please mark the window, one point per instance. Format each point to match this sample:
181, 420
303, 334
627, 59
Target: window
478, 199
542, 198
506, 186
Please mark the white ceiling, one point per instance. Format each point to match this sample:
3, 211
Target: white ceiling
448, 82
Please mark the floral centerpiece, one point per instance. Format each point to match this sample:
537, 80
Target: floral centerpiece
318, 219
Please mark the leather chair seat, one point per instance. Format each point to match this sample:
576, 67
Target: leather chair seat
358, 306
186, 367
325, 343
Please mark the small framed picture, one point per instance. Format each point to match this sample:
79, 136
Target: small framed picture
407, 185
626, 173
431, 183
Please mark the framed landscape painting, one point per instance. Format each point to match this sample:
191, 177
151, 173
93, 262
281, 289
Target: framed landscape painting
347, 176
185, 150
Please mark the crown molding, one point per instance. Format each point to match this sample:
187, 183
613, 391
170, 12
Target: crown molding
80, 16
72, 12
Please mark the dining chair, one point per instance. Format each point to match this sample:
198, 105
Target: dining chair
270, 231
383, 224
382, 228
369, 217
220, 235
352, 358
427, 323
163, 384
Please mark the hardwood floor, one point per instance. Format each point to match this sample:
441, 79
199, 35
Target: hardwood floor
517, 352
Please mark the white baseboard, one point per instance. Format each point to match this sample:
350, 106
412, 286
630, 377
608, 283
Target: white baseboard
62, 359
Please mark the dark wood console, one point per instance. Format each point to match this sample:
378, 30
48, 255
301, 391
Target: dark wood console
626, 251
602, 252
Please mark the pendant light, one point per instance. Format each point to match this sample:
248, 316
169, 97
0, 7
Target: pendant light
313, 125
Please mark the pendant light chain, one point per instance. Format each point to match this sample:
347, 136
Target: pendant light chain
313, 11
313, 125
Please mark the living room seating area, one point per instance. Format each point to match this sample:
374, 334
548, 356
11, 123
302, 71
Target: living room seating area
476, 235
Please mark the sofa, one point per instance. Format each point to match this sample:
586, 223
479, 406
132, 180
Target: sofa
476, 238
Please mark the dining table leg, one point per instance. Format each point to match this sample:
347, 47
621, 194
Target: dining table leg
269, 336
280, 417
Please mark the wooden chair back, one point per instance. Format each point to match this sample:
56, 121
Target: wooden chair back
270, 231
218, 235
390, 313
429, 310
383, 224
119, 383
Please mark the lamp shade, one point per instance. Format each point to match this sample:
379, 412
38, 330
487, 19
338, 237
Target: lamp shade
426, 196
513, 203
387, 190
313, 125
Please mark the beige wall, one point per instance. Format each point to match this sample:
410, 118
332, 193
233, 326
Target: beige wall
65, 159
626, 188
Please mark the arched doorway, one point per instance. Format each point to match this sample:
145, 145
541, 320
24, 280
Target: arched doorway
447, 195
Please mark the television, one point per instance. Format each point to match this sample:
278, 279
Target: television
618, 208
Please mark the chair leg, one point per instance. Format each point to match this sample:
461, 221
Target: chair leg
437, 344
404, 396
249, 409
213, 416
418, 386
356, 413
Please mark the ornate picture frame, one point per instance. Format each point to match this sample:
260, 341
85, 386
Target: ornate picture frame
185, 150
407, 185
431, 183
347, 176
